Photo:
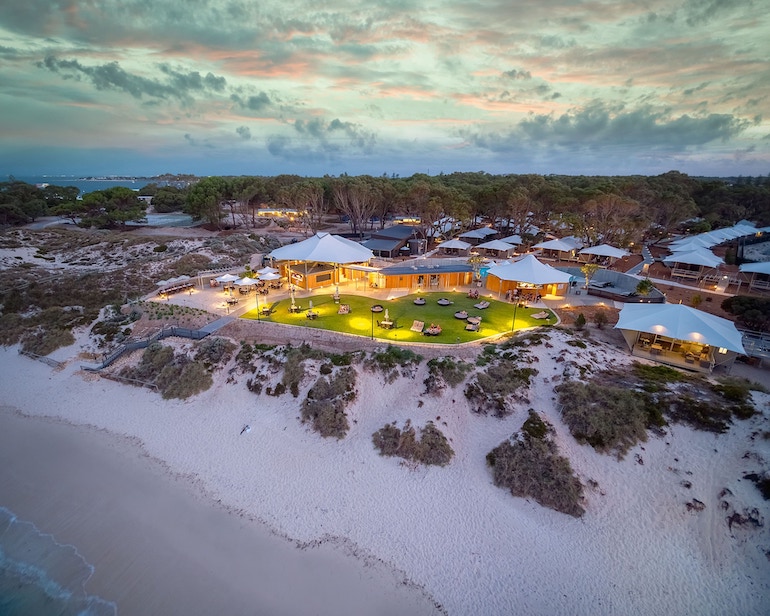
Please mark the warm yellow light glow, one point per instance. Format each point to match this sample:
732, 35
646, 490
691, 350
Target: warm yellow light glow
722, 351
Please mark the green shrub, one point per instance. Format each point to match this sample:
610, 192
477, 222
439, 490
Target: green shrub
534, 426
601, 319
160, 248
580, 321
496, 389
431, 448
325, 403
214, 351
609, 418
45, 342
700, 414
532, 468
186, 380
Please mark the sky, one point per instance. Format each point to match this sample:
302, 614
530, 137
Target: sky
602, 87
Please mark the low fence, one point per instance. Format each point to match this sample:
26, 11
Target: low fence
46, 360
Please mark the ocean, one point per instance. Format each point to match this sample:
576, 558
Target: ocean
85, 185
38, 575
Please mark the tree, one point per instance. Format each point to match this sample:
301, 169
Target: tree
109, 209
204, 201
589, 269
169, 199
645, 287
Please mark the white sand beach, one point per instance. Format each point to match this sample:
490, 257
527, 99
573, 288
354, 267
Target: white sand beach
150, 489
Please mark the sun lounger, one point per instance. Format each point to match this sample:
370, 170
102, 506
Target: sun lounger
541, 315
418, 326
481, 305
472, 327
344, 309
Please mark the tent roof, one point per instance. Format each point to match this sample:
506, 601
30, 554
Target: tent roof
226, 278
496, 245
513, 239
698, 256
605, 250
387, 244
762, 267
529, 269
566, 244
325, 248
681, 322
479, 234
458, 244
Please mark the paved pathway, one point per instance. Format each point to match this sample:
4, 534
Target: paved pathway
636, 270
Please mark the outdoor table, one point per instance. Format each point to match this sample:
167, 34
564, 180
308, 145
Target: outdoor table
377, 308
461, 315
420, 301
443, 302
294, 308
311, 314
433, 331
386, 324
474, 320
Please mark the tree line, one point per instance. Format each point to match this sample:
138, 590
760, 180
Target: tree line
615, 209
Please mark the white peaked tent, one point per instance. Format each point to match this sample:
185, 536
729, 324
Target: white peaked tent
699, 256
752, 268
323, 248
760, 275
513, 239
677, 323
567, 244
527, 270
478, 234
605, 250
497, 246
245, 281
455, 245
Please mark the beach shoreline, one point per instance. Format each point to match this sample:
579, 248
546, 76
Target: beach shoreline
447, 537
151, 535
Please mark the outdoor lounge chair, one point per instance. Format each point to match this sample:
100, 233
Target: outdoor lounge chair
541, 315
481, 305
418, 326
472, 327
344, 309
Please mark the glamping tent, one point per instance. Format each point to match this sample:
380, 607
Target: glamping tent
476, 236
527, 273
603, 252
562, 249
496, 248
454, 247
692, 264
760, 275
679, 335
312, 263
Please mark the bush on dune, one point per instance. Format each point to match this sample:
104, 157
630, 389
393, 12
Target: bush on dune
529, 465
431, 448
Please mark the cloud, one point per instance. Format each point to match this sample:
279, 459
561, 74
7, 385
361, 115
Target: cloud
598, 125
244, 132
518, 74
111, 76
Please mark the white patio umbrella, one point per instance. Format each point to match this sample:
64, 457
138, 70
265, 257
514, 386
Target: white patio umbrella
267, 270
270, 276
226, 278
245, 281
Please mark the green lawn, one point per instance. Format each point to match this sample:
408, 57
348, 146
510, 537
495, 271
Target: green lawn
363, 322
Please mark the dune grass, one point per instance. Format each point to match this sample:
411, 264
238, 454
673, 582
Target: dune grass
362, 321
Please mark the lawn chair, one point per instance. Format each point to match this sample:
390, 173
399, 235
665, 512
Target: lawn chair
344, 309
541, 315
418, 326
481, 305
